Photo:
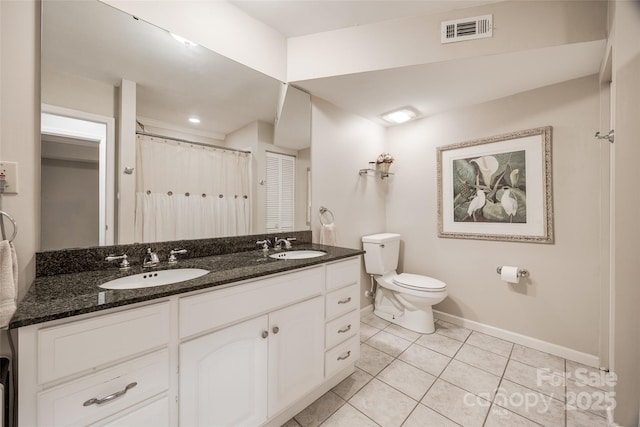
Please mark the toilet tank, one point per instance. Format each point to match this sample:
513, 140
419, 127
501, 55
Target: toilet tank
381, 252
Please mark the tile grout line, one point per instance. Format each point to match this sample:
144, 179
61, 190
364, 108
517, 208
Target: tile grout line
451, 358
566, 415
397, 358
527, 387
438, 377
415, 340
385, 367
418, 401
493, 401
344, 402
411, 339
445, 368
363, 386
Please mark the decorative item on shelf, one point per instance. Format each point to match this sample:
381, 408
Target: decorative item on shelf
384, 162
380, 167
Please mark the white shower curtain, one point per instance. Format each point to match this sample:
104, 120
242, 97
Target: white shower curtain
186, 191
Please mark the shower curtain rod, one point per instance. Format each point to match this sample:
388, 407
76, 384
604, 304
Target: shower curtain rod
191, 142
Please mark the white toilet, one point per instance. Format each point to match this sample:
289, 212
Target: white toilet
404, 299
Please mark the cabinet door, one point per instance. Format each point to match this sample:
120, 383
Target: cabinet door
223, 377
296, 352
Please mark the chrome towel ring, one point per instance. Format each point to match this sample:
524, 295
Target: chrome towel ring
13, 221
324, 211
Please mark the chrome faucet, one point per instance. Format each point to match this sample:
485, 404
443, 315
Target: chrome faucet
287, 242
264, 243
172, 255
150, 259
124, 265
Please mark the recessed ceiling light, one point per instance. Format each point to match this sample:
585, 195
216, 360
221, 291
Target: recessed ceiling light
400, 115
194, 120
184, 41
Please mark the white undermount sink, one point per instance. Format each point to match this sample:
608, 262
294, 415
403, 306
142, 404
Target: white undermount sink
154, 278
301, 254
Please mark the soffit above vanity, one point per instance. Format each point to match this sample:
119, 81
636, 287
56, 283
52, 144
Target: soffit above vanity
370, 57
375, 68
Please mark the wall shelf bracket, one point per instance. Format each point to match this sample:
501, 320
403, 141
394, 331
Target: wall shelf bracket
374, 172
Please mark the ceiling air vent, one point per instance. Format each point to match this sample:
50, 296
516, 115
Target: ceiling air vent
458, 30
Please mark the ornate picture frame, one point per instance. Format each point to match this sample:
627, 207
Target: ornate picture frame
497, 188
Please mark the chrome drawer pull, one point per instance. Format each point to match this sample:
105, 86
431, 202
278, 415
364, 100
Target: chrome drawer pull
344, 330
345, 357
110, 397
344, 301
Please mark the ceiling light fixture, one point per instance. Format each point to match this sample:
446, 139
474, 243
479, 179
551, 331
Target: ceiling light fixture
184, 41
194, 120
401, 115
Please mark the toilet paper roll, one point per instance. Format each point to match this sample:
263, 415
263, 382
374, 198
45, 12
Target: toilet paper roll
509, 274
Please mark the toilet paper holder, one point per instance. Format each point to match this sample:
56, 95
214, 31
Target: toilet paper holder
521, 272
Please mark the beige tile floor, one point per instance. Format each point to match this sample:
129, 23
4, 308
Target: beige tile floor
456, 377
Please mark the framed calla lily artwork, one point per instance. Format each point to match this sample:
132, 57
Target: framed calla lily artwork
497, 188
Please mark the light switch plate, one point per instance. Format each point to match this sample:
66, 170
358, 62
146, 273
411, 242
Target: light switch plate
10, 171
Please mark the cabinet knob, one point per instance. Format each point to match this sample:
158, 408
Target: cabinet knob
265, 334
275, 329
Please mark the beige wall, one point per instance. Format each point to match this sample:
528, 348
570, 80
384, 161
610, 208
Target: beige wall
559, 304
20, 124
342, 143
626, 242
70, 198
77, 93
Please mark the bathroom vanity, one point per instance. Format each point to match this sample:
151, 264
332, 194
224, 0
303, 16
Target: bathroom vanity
249, 345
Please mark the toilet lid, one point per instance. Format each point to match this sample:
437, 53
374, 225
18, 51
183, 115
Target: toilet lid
418, 282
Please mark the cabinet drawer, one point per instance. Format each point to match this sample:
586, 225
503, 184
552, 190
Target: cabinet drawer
154, 414
343, 273
65, 404
342, 301
342, 328
81, 345
341, 356
217, 308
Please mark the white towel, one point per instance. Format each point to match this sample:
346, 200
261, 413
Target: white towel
8, 282
328, 234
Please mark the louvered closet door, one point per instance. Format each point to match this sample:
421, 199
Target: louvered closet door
280, 192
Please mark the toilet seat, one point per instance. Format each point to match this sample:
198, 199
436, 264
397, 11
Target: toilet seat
418, 282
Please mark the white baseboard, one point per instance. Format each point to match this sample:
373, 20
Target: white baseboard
514, 337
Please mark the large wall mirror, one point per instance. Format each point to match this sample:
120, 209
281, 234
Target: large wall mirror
88, 50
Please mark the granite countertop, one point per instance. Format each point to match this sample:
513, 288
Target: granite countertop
64, 295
